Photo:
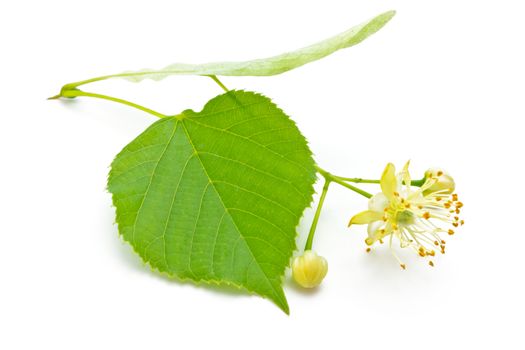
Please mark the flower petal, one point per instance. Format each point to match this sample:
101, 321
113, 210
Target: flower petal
378, 202
373, 227
406, 176
389, 182
365, 217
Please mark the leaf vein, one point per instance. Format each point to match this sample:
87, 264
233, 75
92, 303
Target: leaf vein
150, 182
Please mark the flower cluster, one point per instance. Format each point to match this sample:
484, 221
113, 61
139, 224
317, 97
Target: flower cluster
412, 214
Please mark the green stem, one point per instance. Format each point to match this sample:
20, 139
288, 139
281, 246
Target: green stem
358, 180
215, 79
341, 182
77, 93
353, 188
76, 84
71, 91
417, 183
310, 239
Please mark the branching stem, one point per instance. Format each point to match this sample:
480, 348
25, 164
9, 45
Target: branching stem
341, 182
215, 79
71, 91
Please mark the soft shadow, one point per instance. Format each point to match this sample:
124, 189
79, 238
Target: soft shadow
381, 261
381, 271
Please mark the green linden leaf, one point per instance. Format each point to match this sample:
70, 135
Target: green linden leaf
215, 196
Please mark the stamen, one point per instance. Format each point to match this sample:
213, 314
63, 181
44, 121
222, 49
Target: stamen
403, 266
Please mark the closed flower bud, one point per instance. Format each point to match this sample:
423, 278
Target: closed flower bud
444, 183
309, 269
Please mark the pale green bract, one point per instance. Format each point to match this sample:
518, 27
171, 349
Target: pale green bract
267, 66
216, 196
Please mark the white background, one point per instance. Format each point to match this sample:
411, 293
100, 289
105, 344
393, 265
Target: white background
442, 84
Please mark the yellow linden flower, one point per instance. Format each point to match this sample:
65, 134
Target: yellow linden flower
309, 269
411, 214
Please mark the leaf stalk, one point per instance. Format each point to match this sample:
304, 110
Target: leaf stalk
72, 93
